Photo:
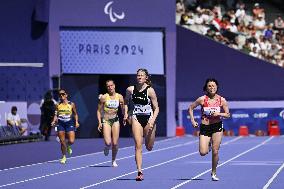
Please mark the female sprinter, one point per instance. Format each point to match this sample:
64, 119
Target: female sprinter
66, 123
109, 122
213, 107
145, 112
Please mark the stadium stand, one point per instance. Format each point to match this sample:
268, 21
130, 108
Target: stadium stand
255, 29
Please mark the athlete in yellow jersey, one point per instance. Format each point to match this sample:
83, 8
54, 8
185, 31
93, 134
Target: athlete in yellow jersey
66, 118
108, 118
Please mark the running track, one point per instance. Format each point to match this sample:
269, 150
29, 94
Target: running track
245, 162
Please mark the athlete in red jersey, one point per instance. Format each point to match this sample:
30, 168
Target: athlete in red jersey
213, 108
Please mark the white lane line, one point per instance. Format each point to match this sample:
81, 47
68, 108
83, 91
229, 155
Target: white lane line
256, 164
233, 140
274, 176
75, 157
156, 165
278, 162
235, 157
87, 166
245, 163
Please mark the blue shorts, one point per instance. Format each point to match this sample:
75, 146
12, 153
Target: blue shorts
66, 126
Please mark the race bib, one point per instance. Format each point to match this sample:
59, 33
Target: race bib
142, 109
113, 104
210, 110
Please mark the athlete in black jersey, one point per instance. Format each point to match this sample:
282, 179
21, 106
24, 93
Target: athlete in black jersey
144, 115
142, 106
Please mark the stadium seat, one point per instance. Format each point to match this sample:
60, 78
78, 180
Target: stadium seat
243, 130
260, 133
229, 133
274, 130
2, 133
180, 131
16, 131
8, 131
271, 123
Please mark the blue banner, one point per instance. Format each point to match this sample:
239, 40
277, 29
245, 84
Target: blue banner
253, 118
111, 51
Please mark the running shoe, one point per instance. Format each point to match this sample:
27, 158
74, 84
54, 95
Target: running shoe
63, 160
139, 177
214, 177
114, 164
106, 151
69, 150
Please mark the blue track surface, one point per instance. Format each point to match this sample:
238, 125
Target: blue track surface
245, 162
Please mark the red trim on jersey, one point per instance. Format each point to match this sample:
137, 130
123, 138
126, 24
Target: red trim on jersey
217, 103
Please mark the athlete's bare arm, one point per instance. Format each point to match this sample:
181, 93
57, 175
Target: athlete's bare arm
99, 112
153, 97
225, 107
54, 121
76, 117
126, 102
191, 108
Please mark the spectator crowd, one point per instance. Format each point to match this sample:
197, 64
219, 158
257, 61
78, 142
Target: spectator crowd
231, 23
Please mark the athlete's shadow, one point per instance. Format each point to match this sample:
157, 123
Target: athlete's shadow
100, 166
185, 179
126, 179
56, 162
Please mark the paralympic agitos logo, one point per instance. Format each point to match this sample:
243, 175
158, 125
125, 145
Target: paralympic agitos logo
281, 114
113, 15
